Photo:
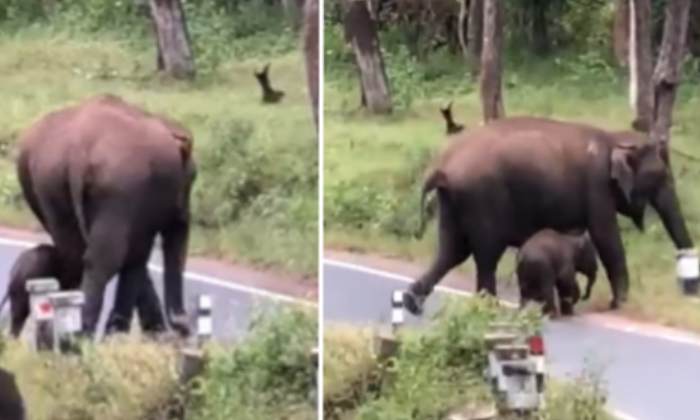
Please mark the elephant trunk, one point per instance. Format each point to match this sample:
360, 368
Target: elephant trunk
666, 204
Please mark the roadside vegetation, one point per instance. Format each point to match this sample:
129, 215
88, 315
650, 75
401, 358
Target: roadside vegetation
255, 199
266, 375
374, 164
437, 371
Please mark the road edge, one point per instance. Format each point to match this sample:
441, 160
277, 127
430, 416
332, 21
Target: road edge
235, 277
455, 283
617, 414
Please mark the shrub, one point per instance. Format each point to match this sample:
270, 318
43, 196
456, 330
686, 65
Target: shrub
437, 369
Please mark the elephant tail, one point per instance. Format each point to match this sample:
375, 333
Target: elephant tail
4, 300
436, 179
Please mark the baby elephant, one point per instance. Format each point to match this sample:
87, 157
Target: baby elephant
43, 261
549, 260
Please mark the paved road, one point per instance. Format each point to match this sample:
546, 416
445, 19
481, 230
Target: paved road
232, 303
648, 378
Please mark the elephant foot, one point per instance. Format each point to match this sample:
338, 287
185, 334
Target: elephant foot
615, 304
180, 324
413, 303
566, 308
117, 324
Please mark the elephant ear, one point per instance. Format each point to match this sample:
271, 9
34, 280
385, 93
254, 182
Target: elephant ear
620, 169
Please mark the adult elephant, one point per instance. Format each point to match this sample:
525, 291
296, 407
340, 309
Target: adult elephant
104, 177
500, 183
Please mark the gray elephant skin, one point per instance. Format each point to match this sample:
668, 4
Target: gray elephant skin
499, 184
548, 263
105, 177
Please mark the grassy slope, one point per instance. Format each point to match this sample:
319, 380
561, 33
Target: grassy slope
129, 378
369, 152
44, 68
436, 371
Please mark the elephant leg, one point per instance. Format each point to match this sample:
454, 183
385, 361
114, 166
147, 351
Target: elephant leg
19, 312
175, 241
568, 297
605, 234
453, 249
105, 254
149, 306
136, 288
487, 256
549, 296
41, 261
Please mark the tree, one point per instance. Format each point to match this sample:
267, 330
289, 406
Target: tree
621, 32
490, 76
310, 45
172, 39
539, 26
475, 33
640, 63
361, 33
667, 74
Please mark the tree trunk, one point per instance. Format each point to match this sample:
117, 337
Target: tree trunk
694, 29
540, 32
491, 96
667, 74
311, 53
364, 39
640, 64
621, 32
172, 38
475, 33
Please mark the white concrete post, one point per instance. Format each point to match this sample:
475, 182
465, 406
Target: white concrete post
41, 311
68, 322
688, 272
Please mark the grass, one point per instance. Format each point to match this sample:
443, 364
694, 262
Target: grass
266, 375
255, 199
436, 371
373, 166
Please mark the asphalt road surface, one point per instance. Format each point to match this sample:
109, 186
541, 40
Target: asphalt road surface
231, 303
648, 378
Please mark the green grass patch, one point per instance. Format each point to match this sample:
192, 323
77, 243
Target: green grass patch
266, 375
256, 197
373, 166
437, 370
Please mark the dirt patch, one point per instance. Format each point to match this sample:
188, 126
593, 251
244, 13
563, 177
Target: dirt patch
268, 280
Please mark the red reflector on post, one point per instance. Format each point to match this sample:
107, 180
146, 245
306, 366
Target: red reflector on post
45, 308
536, 344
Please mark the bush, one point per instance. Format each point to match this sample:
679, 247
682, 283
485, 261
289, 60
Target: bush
267, 375
437, 370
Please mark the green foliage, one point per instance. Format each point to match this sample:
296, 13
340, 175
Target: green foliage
373, 165
256, 195
218, 31
437, 369
269, 375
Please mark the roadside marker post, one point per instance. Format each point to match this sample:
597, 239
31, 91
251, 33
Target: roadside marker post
205, 324
42, 312
67, 318
386, 343
397, 310
688, 272
313, 355
516, 369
